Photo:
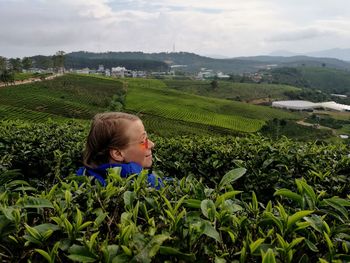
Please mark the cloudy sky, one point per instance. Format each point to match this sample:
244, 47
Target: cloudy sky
207, 27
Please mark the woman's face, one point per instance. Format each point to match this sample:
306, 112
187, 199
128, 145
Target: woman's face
139, 148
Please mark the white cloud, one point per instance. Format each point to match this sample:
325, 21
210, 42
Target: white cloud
230, 28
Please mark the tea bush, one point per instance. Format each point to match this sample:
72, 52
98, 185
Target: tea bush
45, 150
78, 221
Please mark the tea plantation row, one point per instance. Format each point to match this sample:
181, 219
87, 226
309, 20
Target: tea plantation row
38, 149
283, 201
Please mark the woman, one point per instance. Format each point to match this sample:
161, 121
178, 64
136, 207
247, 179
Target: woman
118, 139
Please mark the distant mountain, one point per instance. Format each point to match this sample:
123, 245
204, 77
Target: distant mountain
339, 53
283, 53
195, 62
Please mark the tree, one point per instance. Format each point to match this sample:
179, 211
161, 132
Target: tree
7, 76
27, 63
58, 61
3, 64
15, 64
214, 84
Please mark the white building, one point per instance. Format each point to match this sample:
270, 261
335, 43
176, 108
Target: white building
107, 72
308, 105
101, 68
118, 72
221, 75
83, 71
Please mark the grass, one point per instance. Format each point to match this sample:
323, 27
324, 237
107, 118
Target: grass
154, 98
69, 96
164, 111
24, 76
232, 90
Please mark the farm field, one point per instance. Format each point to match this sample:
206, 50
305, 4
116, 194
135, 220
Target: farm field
231, 199
80, 97
153, 97
69, 96
232, 90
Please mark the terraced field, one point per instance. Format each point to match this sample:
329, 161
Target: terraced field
231, 90
69, 96
165, 111
153, 97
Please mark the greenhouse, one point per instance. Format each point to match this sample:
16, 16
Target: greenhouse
308, 105
294, 104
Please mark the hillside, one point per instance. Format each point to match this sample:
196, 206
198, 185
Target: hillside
193, 62
153, 97
164, 110
325, 79
250, 92
69, 96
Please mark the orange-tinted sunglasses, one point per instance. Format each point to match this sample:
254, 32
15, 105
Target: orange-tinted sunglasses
144, 145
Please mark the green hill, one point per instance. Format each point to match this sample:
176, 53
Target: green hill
69, 96
325, 79
193, 62
232, 90
153, 97
165, 111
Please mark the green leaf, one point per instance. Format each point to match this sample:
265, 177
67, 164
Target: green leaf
151, 249
92, 240
78, 218
121, 259
219, 260
231, 176
273, 218
310, 193
289, 194
208, 209
44, 254
17, 183
315, 222
333, 203
81, 258
81, 254
34, 202
33, 232
126, 250
329, 243
268, 257
296, 217
253, 246
164, 250
208, 230
220, 199
47, 226
311, 245
282, 242
7, 211
295, 242
193, 203
85, 225
129, 198
323, 260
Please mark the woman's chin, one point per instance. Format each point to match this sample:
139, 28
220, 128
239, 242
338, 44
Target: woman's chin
148, 162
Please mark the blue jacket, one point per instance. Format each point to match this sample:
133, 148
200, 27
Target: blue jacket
100, 173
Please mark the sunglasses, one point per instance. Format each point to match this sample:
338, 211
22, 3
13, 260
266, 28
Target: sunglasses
143, 145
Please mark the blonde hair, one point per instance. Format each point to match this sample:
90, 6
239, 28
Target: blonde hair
107, 131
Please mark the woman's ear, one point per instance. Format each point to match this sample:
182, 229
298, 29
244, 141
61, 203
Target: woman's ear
116, 155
